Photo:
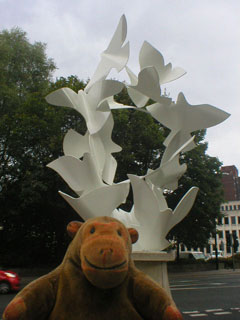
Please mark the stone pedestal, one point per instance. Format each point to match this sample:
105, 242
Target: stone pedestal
154, 264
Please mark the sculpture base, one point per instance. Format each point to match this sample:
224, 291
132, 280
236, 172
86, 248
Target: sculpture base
154, 264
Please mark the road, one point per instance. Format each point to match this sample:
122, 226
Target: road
201, 295
207, 295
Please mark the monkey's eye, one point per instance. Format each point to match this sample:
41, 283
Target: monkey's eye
92, 230
119, 233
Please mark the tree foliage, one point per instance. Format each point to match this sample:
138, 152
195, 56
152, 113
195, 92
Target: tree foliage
33, 215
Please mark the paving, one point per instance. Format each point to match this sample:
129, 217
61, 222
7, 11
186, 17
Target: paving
173, 275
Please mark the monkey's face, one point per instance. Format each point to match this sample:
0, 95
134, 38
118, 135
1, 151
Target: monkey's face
104, 253
105, 248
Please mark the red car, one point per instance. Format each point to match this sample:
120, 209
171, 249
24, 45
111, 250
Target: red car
9, 281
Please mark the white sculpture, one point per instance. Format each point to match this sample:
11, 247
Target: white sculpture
88, 166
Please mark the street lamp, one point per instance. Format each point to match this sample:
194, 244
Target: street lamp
216, 249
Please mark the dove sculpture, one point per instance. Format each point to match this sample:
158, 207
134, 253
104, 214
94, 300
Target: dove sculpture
87, 103
115, 56
184, 118
88, 165
100, 201
161, 219
80, 175
149, 57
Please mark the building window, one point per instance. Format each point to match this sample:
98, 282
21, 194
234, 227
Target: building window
219, 221
209, 248
182, 247
230, 207
226, 221
238, 220
228, 249
234, 207
238, 207
222, 208
221, 246
233, 220
220, 234
227, 234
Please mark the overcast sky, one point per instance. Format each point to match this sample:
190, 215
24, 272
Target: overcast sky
201, 36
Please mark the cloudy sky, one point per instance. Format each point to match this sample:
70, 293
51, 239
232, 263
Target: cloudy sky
201, 36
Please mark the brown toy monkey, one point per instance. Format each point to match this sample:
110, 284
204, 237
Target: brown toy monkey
97, 280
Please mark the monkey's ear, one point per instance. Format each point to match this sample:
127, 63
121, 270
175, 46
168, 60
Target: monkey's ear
133, 234
72, 228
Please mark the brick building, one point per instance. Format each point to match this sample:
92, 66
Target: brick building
231, 183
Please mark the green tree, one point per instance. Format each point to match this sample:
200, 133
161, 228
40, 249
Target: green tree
24, 76
33, 215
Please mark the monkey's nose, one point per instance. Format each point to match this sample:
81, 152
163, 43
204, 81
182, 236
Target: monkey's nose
106, 255
106, 251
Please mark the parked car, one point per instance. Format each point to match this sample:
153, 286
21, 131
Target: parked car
220, 254
194, 255
9, 281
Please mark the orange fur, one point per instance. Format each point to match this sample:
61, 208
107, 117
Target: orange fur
15, 309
